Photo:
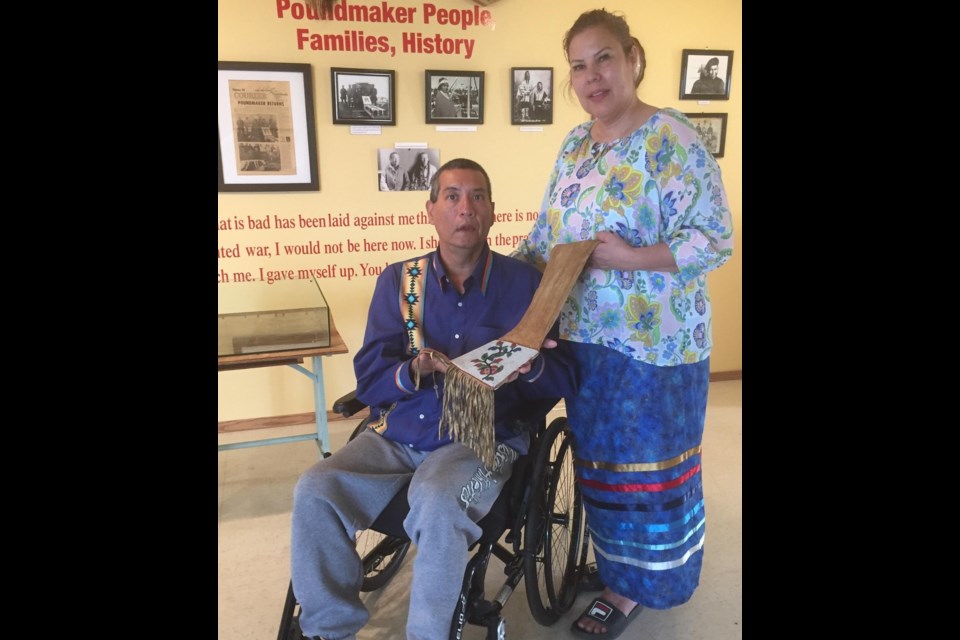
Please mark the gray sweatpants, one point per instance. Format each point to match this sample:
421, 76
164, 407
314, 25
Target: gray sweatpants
450, 491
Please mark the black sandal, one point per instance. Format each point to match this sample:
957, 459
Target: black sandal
605, 613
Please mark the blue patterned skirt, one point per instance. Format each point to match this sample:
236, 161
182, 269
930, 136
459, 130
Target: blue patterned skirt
638, 430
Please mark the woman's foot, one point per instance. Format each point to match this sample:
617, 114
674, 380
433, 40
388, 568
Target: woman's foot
625, 605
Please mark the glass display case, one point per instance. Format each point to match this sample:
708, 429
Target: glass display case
274, 330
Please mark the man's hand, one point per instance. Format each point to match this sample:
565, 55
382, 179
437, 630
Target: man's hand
426, 363
548, 343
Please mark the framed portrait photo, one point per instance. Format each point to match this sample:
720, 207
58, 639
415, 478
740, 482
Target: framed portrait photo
531, 95
406, 168
712, 128
453, 97
266, 136
363, 96
705, 74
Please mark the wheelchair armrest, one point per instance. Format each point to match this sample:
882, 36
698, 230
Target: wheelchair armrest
348, 404
533, 417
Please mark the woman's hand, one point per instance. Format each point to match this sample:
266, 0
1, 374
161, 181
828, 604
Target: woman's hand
613, 253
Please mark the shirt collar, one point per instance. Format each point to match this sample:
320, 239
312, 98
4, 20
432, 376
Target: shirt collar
481, 272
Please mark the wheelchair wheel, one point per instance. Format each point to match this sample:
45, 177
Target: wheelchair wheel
555, 532
381, 554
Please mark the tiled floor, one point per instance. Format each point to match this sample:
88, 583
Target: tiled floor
255, 498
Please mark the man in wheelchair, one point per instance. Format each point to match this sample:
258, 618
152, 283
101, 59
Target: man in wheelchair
450, 301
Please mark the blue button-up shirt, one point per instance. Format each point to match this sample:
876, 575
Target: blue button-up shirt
495, 298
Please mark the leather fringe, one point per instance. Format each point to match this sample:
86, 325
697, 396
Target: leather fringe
468, 413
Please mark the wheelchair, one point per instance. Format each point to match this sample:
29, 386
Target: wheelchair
536, 527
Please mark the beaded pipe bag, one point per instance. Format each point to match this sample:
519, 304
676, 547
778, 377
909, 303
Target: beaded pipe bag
472, 378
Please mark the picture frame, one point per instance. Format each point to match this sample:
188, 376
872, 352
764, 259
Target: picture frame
712, 129
460, 103
705, 74
527, 105
266, 133
406, 168
363, 96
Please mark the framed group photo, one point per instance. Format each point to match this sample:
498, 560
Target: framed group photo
705, 74
363, 96
453, 97
531, 95
266, 134
712, 128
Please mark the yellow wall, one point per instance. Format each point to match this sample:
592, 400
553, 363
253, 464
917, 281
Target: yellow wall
521, 34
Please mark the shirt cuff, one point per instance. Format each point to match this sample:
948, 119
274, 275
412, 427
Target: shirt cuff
539, 365
403, 379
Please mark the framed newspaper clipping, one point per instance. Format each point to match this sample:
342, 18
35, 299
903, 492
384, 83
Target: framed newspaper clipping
266, 135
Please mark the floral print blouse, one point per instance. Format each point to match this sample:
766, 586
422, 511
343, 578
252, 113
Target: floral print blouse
658, 184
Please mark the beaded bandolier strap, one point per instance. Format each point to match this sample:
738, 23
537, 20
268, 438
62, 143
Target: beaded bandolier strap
411, 309
411, 303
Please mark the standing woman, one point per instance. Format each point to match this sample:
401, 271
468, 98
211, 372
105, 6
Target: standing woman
637, 178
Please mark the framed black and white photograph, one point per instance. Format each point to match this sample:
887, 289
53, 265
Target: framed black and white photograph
705, 74
454, 97
531, 95
406, 168
363, 96
712, 128
266, 135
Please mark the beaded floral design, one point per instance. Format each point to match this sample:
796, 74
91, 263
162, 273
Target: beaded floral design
488, 364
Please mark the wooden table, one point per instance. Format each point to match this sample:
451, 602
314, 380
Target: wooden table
293, 358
